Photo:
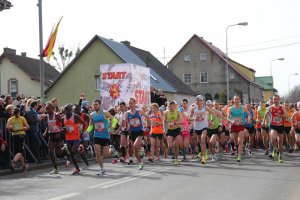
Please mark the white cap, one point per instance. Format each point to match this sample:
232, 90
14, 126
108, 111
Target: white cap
199, 97
209, 102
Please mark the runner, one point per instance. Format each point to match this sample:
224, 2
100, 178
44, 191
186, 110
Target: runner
214, 130
70, 127
263, 128
17, 125
278, 113
123, 128
236, 116
133, 118
157, 130
199, 114
250, 128
99, 123
287, 123
55, 141
84, 135
185, 132
296, 125
174, 119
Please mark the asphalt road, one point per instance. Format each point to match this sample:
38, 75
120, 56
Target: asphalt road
254, 178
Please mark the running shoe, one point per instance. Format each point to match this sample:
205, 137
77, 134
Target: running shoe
232, 152
130, 161
157, 159
25, 168
114, 161
267, 152
291, 150
274, 153
184, 159
239, 158
213, 159
250, 153
122, 160
101, 172
76, 171
150, 160
220, 156
141, 166
68, 164
270, 155
54, 171
86, 167
199, 155
176, 162
280, 160
203, 161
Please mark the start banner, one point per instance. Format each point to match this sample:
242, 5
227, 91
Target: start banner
120, 82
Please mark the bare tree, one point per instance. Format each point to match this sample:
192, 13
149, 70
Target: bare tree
294, 96
64, 57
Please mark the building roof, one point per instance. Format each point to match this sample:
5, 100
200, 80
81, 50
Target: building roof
128, 57
162, 70
265, 81
220, 54
31, 66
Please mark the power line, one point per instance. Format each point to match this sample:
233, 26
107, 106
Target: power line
265, 48
263, 42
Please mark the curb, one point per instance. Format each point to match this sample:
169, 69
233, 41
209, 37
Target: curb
33, 166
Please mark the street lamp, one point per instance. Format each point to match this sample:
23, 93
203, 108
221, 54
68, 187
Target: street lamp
4, 5
281, 59
295, 74
227, 70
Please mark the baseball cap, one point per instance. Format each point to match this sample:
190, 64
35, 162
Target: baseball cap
199, 97
209, 102
84, 103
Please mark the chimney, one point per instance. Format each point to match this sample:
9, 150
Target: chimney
23, 54
126, 42
10, 51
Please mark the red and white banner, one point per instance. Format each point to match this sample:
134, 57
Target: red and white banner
120, 82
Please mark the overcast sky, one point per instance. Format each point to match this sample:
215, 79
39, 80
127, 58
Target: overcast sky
168, 24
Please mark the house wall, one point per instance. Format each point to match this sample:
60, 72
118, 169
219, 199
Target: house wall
81, 75
26, 86
247, 72
213, 65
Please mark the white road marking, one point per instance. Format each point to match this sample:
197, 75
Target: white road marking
127, 179
65, 196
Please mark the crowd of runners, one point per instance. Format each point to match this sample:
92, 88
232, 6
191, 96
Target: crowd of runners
181, 131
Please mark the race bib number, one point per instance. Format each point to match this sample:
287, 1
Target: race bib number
16, 127
70, 128
183, 128
154, 123
277, 119
99, 127
135, 122
53, 129
199, 118
80, 127
237, 120
171, 125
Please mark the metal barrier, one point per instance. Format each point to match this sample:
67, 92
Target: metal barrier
9, 154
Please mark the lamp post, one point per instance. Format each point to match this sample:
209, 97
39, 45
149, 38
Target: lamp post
227, 70
295, 74
42, 82
4, 5
281, 59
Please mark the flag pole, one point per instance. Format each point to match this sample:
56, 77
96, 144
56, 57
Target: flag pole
41, 49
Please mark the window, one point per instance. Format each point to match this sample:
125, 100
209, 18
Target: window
203, 77
187, 57
202, 56
12, 86
97, 80
187, 78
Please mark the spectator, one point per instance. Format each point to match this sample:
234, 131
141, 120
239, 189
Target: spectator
55, 104
161, 98
153, 94
10, 110
33, 132
23, 106
8, 100
3, 154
